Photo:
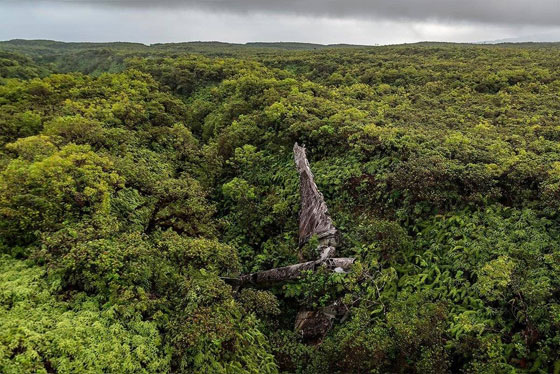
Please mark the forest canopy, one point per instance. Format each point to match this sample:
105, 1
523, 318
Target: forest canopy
135, 180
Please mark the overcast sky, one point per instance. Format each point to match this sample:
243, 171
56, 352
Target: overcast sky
318, 21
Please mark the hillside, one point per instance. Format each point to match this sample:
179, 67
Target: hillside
137, 181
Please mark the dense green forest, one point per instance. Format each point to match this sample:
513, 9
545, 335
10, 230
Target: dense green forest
134, 179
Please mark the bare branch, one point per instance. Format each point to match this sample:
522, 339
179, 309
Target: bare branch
292, 272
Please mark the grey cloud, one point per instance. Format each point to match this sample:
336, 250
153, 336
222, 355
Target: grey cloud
504, 12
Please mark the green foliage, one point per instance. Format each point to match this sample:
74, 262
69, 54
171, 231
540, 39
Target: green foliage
45, 187
133, 178
40, 334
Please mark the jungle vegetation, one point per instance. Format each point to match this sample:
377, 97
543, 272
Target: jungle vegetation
134, 179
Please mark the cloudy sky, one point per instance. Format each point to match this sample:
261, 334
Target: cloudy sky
318, 21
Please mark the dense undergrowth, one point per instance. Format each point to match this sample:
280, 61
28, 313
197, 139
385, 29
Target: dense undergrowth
133, 178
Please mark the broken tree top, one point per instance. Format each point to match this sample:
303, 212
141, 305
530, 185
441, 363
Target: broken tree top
313, 217
313, 220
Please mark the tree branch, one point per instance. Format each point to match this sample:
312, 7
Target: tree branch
292, 272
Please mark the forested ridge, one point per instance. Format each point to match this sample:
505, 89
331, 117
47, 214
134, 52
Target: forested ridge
135, 180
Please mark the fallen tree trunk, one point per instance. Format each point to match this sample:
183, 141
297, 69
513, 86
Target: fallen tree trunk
291, 272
